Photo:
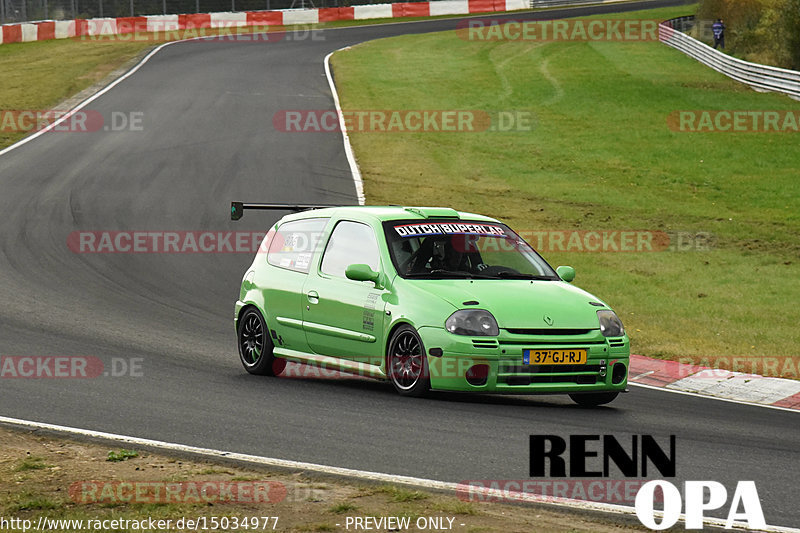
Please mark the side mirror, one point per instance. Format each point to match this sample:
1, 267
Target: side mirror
567, 273
361, 272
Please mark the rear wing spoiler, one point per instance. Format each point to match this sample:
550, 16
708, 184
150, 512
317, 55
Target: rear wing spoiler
237, 208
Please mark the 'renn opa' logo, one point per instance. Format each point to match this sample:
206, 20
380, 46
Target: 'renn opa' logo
547, 450
604, 455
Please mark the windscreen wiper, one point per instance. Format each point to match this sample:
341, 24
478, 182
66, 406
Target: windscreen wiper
448, 273
519, 275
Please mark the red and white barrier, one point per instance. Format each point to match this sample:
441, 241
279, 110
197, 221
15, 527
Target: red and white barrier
300, 16
228, 20
64, 29
162, 23
375, 11
449, 7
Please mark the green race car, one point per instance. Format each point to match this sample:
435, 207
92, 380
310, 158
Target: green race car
428, 298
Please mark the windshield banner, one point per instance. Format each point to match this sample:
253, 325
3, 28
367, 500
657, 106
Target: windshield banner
449, 228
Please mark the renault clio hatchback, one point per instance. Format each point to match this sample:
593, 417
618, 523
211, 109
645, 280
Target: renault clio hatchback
429, 299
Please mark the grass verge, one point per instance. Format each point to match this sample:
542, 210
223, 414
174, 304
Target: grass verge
308, 504
602, 157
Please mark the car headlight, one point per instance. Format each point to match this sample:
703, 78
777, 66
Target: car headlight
472, 322
610, 324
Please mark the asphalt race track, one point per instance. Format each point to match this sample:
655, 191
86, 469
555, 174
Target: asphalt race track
208, 139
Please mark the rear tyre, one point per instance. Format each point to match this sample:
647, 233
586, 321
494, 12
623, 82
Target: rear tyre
255, 345
593, 399
407, 365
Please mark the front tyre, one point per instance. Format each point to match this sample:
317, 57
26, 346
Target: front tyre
407, 365
593, 399
255, 345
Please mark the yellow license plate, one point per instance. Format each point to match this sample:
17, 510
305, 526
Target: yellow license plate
553, 357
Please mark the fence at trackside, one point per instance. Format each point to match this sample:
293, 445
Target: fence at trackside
63, 29
762, 78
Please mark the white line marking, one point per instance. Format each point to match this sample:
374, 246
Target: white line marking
89, 100
730, 400
363, 474
348, 149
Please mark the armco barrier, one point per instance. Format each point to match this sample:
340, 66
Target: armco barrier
46, 30
760, 77
560, 3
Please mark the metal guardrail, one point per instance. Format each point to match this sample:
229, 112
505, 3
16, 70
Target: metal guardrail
762, 78
559, 3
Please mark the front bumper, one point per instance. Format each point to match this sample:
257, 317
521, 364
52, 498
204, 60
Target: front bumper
506, 372
236, 311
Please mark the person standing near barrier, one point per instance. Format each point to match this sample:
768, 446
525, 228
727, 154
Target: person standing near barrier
718, 29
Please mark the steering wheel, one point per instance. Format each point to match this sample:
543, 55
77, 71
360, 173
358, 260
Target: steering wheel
404, 266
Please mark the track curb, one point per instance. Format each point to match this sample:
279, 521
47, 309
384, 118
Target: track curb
717, 383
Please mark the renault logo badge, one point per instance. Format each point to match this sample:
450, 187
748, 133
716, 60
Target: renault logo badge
548, 320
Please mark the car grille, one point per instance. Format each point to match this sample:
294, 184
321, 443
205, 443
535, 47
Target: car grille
551, 336
484, 343
548, 331
521, 375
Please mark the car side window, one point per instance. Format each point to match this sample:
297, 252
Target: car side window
294, 244
350, 243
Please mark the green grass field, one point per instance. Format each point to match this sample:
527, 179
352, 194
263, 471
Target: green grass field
601, 157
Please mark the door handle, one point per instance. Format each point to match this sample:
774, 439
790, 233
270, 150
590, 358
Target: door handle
313, 297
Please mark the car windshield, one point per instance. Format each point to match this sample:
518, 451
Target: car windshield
462, 249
